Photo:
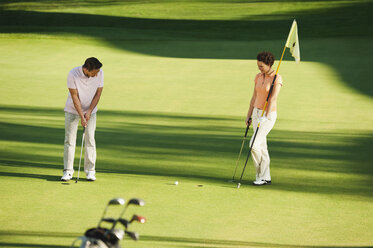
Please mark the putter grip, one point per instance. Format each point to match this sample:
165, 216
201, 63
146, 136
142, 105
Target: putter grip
83, 129
247, 129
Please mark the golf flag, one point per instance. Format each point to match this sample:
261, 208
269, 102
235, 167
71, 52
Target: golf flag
293, 42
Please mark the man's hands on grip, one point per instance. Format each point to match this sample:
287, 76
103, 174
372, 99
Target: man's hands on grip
85, 119
84, 122
87, 116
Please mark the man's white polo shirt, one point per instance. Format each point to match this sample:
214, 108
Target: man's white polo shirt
86, 86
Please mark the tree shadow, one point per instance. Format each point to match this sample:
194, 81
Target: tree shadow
196, 242
155, 144
37, 176
221, 39
6, 244
176, 241
39, 233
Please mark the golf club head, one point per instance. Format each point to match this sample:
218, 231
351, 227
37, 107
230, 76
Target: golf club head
109, 220
124, 222
138, 218
133, 235
118, 233
117, 201
136, 201
238, 185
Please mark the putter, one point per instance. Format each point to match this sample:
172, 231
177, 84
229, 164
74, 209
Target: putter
243, 142
114, 201
81, 153
247, 158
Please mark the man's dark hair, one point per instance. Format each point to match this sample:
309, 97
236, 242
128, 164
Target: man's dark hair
266, 57
92, 64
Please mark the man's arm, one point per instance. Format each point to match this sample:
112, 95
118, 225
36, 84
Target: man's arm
78, 106
94, 103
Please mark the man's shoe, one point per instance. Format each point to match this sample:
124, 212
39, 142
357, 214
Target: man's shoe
91, 176
67, 176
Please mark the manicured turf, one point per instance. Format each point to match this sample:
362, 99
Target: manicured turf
178, 80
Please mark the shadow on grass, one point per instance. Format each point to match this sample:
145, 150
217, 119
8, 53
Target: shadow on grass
5, 244
37, 176
211, 38
316, 23
195, 242
202, 149
176, 241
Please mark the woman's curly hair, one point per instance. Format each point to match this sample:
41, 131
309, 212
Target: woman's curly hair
266, 57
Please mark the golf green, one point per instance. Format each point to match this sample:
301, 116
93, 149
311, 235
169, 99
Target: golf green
178, 81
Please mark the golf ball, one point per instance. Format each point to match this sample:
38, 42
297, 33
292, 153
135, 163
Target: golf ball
176, 182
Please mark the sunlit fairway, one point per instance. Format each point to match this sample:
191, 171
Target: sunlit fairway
178, 81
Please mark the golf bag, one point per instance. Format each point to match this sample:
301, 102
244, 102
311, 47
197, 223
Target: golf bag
100, 238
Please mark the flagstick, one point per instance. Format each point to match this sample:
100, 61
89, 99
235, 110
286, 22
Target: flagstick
264, 109
279, 63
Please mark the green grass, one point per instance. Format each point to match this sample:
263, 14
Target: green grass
178, 80
182, 10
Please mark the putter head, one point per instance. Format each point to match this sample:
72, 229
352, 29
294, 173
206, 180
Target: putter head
124, 222
138, 218
136, 201
133, 235
117, 201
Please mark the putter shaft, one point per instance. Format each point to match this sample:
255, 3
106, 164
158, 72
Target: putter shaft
81, 153
239, 155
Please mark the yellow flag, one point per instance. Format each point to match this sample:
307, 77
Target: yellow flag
293, 42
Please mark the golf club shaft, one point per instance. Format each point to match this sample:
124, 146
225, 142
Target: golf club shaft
120, 216
243, 142
103, 215
248, 155
81, 153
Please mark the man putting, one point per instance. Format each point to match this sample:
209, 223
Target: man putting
85, 84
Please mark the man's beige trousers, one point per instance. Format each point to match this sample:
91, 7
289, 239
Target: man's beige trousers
71, 127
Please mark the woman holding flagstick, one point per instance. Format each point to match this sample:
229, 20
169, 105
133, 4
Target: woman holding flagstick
263, 106
263, 81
